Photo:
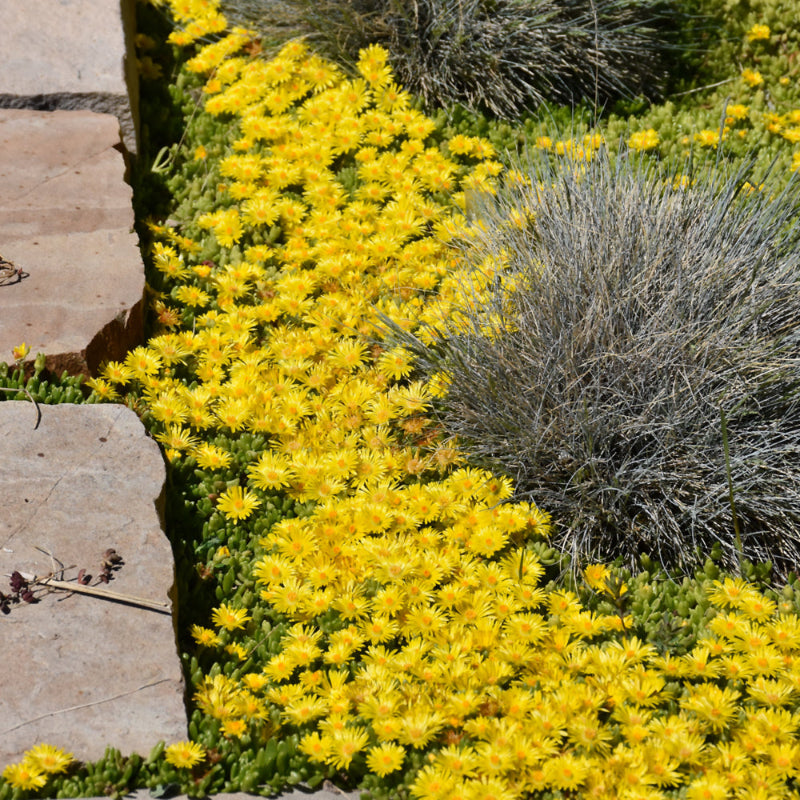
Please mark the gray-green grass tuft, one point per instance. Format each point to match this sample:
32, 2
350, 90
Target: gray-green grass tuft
501, 56
650, 321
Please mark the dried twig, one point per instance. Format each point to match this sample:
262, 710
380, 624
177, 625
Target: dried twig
118, 597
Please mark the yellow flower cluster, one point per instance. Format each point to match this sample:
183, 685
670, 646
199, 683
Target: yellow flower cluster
36, 766
742, 118
644, 140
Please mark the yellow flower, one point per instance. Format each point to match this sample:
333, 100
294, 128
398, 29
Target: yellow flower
567, 771
708, 787
25, 775
20, 351
751, 78
48, 758
192, 296
730, 593
714, 706
596, 576
205, 637
209, 456
345, 744
229, 618
236, 649
254, 681
707, 138
234, 727
644, 140
142, 363
432, 783
184, 754
103, 389
372, 66
758, 32
304, 709
316, 746
238, 503
735, 112
116, 372
176, 438
385, 758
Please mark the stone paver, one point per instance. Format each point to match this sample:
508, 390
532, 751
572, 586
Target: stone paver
70, 54
81, 672
66, 220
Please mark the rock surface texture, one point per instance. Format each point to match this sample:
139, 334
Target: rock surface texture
70, 54
66, 220
82, 672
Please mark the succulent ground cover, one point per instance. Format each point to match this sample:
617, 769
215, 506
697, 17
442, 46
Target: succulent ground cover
364, 602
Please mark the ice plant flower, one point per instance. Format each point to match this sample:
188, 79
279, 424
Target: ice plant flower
48, 758
644, 140
757, 33
25, 776
184, 755
20, 351
751, 78
238, 503
229, 618
385, 758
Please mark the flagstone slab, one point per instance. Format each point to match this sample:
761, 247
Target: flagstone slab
70, 54
83, 672
66, 221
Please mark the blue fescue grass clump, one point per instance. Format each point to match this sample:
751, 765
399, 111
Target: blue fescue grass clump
636, 370
499, 56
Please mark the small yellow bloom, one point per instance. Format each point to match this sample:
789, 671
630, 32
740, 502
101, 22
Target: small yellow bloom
736, 112
596, 576
48, 758
25, 776
229, 618
238, 503
102, 389
751, 78
234, 727
757, 33
209, 456
20, 351
644, 140
184, 754
205, 637
385, 758
707, 138
236, 649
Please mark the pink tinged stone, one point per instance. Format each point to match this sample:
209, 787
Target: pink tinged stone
66, 220
71, 54
79, 672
